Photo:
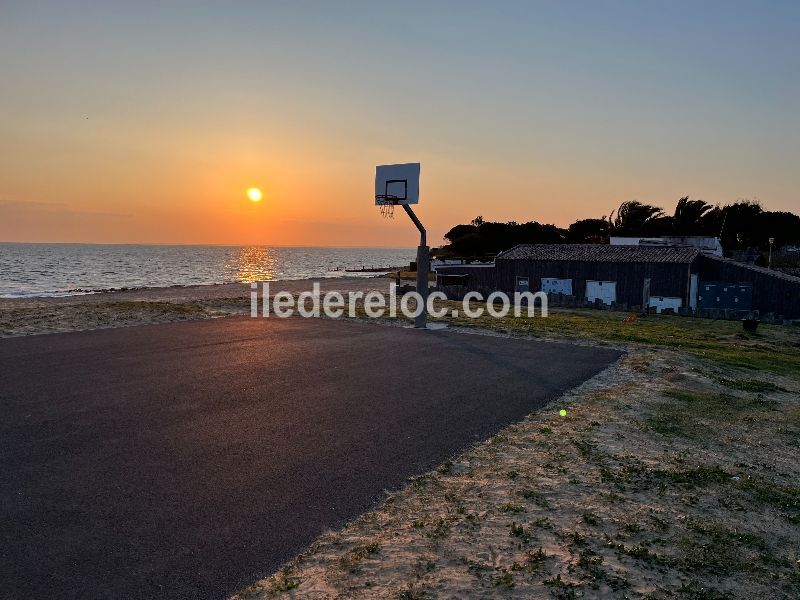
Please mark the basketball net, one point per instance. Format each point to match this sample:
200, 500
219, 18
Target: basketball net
386, 206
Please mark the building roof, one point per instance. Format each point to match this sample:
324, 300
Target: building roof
600, 253
770, 272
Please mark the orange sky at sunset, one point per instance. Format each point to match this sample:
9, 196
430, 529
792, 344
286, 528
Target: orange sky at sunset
129, 126
107, 186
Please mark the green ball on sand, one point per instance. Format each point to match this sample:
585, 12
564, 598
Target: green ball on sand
563, 412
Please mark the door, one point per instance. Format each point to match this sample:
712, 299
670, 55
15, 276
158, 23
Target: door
726, 295
708, 296
743, 298
605, 291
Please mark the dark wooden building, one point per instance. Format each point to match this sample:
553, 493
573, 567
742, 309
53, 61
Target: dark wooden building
657, 276
773, 291
611, 274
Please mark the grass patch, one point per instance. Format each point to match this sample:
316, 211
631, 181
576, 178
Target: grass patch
588, 558
697, 477
534, 559
562, 589
711, 547
413, 592
284, 583
351, 560
718, 404
588, 450
782, 497
506, 579
440, 530
641, 552
590, 518
772, 349
749, 385
360, 552
518, 531
590, 562
694, 590
536, 497
692, 414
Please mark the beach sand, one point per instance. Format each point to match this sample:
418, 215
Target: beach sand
31, 316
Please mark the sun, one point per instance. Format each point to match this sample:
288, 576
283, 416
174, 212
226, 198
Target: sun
254, 194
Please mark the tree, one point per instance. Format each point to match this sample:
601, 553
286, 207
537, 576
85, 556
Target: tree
741, 225
634, 218
712, 222
688, 216
661, 225
588, 231
783, 226
738, 231
484, 238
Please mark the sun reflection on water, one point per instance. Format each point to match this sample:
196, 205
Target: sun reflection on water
253, 263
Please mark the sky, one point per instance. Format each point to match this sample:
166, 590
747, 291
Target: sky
146, 122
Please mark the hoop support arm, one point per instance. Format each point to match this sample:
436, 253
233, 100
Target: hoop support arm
423, 267
413, 217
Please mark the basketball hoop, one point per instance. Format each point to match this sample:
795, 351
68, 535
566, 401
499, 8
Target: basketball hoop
399, 184
386, 203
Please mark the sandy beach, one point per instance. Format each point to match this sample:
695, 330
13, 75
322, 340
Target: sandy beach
37, 315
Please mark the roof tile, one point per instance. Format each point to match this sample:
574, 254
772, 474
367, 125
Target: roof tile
601, 253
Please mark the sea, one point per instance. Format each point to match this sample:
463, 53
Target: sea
71, 269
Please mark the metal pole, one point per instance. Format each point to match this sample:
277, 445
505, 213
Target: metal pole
771, 241
423, 266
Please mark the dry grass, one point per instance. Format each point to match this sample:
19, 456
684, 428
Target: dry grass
772, 348
35, 320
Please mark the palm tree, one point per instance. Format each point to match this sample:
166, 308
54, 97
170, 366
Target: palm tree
689, 216
635, 218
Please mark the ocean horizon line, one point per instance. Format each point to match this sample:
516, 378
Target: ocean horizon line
198, 245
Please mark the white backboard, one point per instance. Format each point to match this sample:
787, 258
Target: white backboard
400, 182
